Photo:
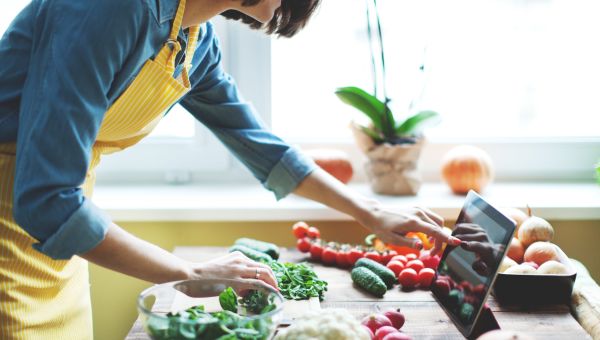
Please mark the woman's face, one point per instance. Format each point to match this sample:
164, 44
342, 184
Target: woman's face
263, 11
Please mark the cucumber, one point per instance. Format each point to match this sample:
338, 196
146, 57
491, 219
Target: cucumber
251, 253
369, 281
264, 247
386, 274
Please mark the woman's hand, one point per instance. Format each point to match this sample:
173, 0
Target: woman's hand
234, 266
392, 226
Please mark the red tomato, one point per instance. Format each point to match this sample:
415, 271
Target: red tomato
426, 276
313, 232
396, 267
388, 255
373, 255
328, 256
303, 244
400, 258
342, 259
430, 261
300, 229
417, 265
355, 254
408, 278
412, 256
316, 249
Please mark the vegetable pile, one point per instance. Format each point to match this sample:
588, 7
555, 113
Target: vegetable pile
297, 281
376, 266
196, 323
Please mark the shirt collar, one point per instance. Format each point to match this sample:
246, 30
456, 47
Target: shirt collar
166, 10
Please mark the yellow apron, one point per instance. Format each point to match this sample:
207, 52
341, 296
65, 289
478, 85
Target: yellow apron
42, 298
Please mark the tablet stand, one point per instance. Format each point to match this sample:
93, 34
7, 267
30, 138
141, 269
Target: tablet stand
484, 323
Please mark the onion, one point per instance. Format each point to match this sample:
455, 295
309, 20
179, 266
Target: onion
540, 252
467, 167
535, 229
516, 250
552, 267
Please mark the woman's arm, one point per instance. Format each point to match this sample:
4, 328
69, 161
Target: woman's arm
390, 226
122, 252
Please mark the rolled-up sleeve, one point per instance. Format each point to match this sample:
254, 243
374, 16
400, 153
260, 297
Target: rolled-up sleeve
77, 48
215, 101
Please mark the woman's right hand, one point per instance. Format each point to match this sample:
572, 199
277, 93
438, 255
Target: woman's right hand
234, 266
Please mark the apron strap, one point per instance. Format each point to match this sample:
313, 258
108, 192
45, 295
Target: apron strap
169, 52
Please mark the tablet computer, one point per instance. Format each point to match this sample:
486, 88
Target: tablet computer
467, 272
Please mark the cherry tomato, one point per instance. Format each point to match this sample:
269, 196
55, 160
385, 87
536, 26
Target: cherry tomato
373, 255
355, 254
400, 258
342, 259
430, 261
303, 244
300, 229
388, 255
417, 265
408, 278
314, 232
328, 256
426, 276
316, 249
411, 256
396, 267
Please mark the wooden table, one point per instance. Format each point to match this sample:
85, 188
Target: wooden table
425, 319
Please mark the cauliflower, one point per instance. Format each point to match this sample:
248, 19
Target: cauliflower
325, 324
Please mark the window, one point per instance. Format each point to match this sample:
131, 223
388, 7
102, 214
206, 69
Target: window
520, 78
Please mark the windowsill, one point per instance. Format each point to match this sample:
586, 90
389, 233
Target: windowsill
250, 202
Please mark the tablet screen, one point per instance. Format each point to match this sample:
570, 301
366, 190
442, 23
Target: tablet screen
470, 269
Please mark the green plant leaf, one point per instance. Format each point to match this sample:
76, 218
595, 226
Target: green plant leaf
389, 124
228, 300
415, 123
598, 172
373, 134
364, 102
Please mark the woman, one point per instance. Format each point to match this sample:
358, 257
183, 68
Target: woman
79, 79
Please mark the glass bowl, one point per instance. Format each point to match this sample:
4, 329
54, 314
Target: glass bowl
164, 312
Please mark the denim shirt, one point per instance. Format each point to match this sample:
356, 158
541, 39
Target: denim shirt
62, 64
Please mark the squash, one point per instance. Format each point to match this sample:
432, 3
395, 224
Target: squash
334, 162
465, 168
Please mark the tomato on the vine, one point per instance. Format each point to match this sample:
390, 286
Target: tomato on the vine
316, 249
303, 244
313, 232
373, 255
342, 259
300, 229
328, 256
425, 277
388, 255
396, 267
355, 254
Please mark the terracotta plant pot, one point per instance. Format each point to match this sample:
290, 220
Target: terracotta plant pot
391, 169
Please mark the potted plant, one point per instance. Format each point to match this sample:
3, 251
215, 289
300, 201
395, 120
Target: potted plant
392, 145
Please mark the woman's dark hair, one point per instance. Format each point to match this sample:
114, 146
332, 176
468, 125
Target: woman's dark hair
288, 20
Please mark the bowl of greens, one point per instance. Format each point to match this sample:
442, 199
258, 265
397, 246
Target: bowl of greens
210, 309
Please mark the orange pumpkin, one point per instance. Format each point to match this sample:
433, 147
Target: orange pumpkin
467, 167
335, 162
